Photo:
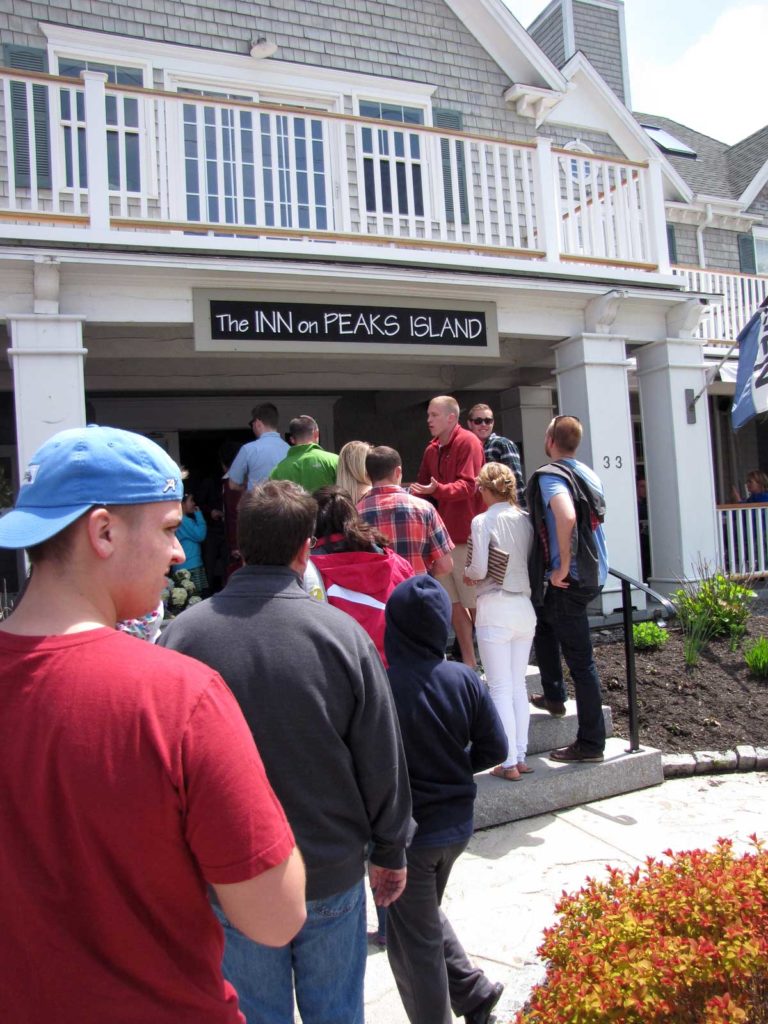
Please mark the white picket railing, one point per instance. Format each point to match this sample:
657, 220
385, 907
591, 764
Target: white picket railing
744, 538
742, 294
88, 153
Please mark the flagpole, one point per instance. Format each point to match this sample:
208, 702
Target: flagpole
716, 369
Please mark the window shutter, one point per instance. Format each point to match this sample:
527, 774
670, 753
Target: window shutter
672, 243
454, 120
28, 58
747, 261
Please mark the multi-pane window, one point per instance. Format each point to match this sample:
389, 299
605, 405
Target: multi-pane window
238, 160
761, 255
392, 160
123, 127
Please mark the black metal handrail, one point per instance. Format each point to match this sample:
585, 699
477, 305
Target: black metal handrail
669, 610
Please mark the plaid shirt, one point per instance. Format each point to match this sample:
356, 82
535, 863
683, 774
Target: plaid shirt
413, 526
501, 449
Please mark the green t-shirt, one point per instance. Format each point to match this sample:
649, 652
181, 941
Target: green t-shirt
308, 465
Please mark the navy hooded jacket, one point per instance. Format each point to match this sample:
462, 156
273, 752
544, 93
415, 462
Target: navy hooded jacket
448, 722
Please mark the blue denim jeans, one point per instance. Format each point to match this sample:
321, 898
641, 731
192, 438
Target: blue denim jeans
562, 626
325, 963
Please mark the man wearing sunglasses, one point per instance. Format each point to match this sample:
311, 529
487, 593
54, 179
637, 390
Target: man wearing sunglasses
495, 447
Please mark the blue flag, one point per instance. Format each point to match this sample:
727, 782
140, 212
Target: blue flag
751, 396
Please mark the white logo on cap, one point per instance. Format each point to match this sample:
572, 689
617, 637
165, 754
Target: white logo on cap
30, 474
170, 484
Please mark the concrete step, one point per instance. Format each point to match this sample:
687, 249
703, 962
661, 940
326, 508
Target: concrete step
545, 732
554, 786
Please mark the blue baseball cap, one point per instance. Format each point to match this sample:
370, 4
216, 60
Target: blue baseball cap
78, 469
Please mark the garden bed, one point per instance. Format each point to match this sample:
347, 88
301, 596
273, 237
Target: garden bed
717, 705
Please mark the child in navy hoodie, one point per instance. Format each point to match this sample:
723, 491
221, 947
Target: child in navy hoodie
450, 730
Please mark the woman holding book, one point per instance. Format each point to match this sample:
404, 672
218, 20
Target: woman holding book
497, 563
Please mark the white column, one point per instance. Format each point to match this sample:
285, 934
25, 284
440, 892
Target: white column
656, 214
591, 372
678, 460
546, 190
47, 358
524, 415
96, 149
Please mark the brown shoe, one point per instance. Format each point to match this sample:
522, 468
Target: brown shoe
575, 752
555, 707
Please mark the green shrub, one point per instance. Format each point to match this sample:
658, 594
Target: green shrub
649, 636
679, 941
756, 657
723, 604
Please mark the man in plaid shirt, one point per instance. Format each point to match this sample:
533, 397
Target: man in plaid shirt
496, 447
413, 526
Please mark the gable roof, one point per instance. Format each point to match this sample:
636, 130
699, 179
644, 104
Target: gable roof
502, 36
719, 170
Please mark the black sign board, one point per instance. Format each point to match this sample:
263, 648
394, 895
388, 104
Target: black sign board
314, 322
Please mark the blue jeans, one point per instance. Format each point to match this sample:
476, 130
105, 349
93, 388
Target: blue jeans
325, 963
562, 626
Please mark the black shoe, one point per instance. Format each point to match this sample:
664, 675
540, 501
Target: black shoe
575, 752
482, 1013
556, 708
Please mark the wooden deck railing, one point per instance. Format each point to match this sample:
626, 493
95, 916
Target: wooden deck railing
83, 153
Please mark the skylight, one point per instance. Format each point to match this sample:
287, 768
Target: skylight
667, 142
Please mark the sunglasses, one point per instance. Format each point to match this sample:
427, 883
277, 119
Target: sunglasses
487, 420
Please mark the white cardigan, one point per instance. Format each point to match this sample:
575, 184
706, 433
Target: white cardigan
509, 528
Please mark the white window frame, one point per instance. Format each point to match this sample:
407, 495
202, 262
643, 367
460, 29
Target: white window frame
761, 235
96, 47
430, 165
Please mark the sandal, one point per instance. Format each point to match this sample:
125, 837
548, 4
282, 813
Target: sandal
511, 774
523, 768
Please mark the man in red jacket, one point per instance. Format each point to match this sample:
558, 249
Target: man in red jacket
447, 475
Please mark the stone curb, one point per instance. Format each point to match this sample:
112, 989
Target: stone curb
715, 762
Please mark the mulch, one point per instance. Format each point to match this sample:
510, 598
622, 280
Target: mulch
716, 705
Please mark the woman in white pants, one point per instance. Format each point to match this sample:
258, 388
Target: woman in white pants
498, 564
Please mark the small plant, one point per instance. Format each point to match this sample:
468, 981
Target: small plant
697, 632
756, 657
649, 636
180, 593
679, 941
710, 607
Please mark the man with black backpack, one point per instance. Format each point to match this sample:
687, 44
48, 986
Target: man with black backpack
568, 568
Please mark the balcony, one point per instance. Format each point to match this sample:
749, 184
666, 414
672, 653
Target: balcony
88, 162
742, 294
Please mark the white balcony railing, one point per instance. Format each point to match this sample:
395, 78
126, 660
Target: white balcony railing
742, 294
744, 538
100, 157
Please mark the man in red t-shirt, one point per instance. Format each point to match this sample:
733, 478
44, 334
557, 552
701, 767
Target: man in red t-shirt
448, 475
129, 779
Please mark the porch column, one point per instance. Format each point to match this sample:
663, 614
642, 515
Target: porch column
591, 371
523, 416
682, 517
47, 358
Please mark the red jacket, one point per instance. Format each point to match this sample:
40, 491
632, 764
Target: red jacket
359, 582
455, 466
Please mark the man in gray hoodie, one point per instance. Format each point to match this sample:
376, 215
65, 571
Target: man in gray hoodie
315, 694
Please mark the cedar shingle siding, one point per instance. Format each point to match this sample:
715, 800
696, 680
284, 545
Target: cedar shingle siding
597, 34
548, 35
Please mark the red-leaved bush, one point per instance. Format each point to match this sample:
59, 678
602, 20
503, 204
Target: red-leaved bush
679, 941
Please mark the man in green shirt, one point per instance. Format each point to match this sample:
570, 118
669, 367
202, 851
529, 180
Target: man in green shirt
306, 463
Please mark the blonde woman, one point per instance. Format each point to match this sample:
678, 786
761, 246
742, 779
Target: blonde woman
350, 472
498, 564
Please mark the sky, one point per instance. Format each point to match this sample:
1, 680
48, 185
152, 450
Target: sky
699, 62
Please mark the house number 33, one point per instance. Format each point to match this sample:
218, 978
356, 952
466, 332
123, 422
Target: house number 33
616, 462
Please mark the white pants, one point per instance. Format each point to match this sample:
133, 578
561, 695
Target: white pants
505, 627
